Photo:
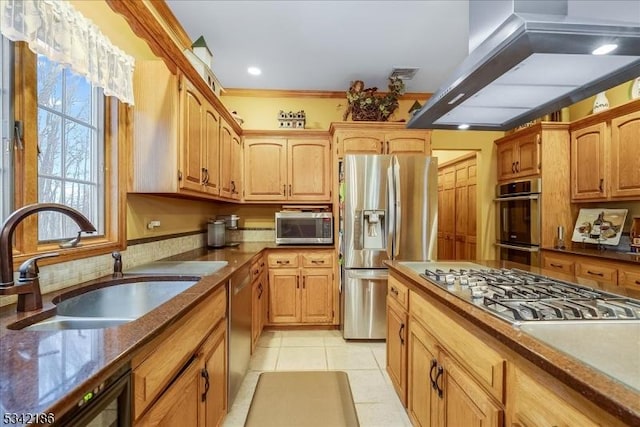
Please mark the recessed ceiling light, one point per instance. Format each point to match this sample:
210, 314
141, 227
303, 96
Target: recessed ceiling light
604, 49
463, 126
254, 71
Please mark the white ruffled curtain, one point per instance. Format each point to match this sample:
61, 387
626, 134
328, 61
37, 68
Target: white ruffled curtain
56, 30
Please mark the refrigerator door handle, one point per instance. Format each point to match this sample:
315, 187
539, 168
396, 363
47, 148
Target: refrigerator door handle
391, 218
397, 207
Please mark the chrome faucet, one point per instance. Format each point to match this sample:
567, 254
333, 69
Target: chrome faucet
28, 286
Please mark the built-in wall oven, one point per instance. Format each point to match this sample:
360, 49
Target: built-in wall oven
518, 215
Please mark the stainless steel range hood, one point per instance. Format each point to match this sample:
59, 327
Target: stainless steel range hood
537, 60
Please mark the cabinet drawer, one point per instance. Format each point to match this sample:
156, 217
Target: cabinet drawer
630, 279
158, 363
398, 292
558, 264
257, 267
317, 259
597, 272
282, 259
485, 364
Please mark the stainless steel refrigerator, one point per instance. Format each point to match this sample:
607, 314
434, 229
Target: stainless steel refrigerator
390, 213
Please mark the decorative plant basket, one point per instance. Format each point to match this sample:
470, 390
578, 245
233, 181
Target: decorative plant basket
367, 105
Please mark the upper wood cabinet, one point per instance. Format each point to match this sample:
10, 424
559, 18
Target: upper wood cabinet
604, 152
379, 138
181, 142
518, 156
282, 168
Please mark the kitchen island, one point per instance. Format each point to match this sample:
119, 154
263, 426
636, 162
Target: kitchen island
527, 374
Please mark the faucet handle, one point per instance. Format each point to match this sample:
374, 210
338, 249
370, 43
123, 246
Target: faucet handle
29, 269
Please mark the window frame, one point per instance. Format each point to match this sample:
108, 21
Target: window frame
117, 131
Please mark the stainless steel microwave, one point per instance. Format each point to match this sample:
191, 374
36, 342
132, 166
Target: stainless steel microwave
304, 228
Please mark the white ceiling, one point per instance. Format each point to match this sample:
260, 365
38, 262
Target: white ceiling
324, 45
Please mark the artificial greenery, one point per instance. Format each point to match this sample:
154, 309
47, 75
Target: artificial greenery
366, 104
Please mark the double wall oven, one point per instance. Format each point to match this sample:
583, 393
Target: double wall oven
518, 215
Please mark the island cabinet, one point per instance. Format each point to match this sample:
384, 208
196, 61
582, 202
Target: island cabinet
604, 153
379, 138
301, 287
181, 143
397, 331
454, 378
259, 299
292, 167
179, 378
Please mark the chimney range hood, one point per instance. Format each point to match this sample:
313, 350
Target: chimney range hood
538, 59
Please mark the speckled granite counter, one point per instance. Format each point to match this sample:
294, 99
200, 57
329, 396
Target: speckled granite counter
606, 254
540, 348
49, 371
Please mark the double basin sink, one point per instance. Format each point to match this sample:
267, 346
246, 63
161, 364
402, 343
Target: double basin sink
118, 301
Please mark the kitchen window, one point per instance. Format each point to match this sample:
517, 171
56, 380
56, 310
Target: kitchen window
73, 141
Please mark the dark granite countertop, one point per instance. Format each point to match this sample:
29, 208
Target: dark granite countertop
49, 371
603, 254
611, 395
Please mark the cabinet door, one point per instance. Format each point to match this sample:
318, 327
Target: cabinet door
317, 295
237, 184
284, 296
180, 405
361, 143
211, 157
461, 213
255, 313
464, 402
397, 349
472, 208
625, 156
215, 372
192, 112
528, 152
408, 142
226, 141
265, 169
507, 155
422, 400
588, 163
309, 170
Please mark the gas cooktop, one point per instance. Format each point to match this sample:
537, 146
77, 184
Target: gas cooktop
519, 296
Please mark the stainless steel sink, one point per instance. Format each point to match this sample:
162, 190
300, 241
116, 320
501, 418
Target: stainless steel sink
111, 305
190, 268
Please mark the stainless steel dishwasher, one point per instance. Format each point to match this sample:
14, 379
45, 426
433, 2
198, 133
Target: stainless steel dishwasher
239, 330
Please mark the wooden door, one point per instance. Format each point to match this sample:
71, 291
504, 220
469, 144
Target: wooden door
237, 184
528, 152
448, 217
464, 402
625, 156
180, 405
461, 210
317, 295
191, 150
588, 163
408, 141
211, 157
397, 331
215, 371
309, 170
507, 160
361, 143
226, 139
284, 295
265, 168
472, 209
422, 401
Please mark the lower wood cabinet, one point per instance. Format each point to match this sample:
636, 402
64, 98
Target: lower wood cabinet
180, 378
397, 332
301, 287
259, 299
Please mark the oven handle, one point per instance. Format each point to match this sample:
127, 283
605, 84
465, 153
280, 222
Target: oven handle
519, 248
516, 198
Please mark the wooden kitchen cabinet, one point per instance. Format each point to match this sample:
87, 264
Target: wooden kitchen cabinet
518, 156
259, 296
603, 149
379, 138
286, 168
213, 377
303, 295
422, 398
397, 331
231, 182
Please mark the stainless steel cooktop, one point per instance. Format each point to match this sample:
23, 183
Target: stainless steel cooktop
520, 296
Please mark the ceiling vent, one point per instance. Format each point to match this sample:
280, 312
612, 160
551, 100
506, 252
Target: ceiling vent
404, 73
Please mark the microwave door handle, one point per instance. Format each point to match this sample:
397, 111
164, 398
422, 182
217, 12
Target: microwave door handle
516, 198
505, 219
519, 248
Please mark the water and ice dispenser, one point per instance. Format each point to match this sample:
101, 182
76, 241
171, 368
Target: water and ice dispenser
374, 229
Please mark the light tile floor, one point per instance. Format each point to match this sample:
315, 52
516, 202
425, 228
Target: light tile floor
376, 401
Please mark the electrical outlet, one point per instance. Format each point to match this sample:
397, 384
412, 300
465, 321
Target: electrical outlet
153, 224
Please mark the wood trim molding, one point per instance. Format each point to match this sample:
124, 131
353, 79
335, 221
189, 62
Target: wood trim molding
286, 133
172, 22
462, 158
620, 110
277, 93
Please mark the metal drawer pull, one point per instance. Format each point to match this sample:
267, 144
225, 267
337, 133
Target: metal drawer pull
440, 372
400, 334
556, 265
286, 261
595, 273
637, 282
434, 363
317, 261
